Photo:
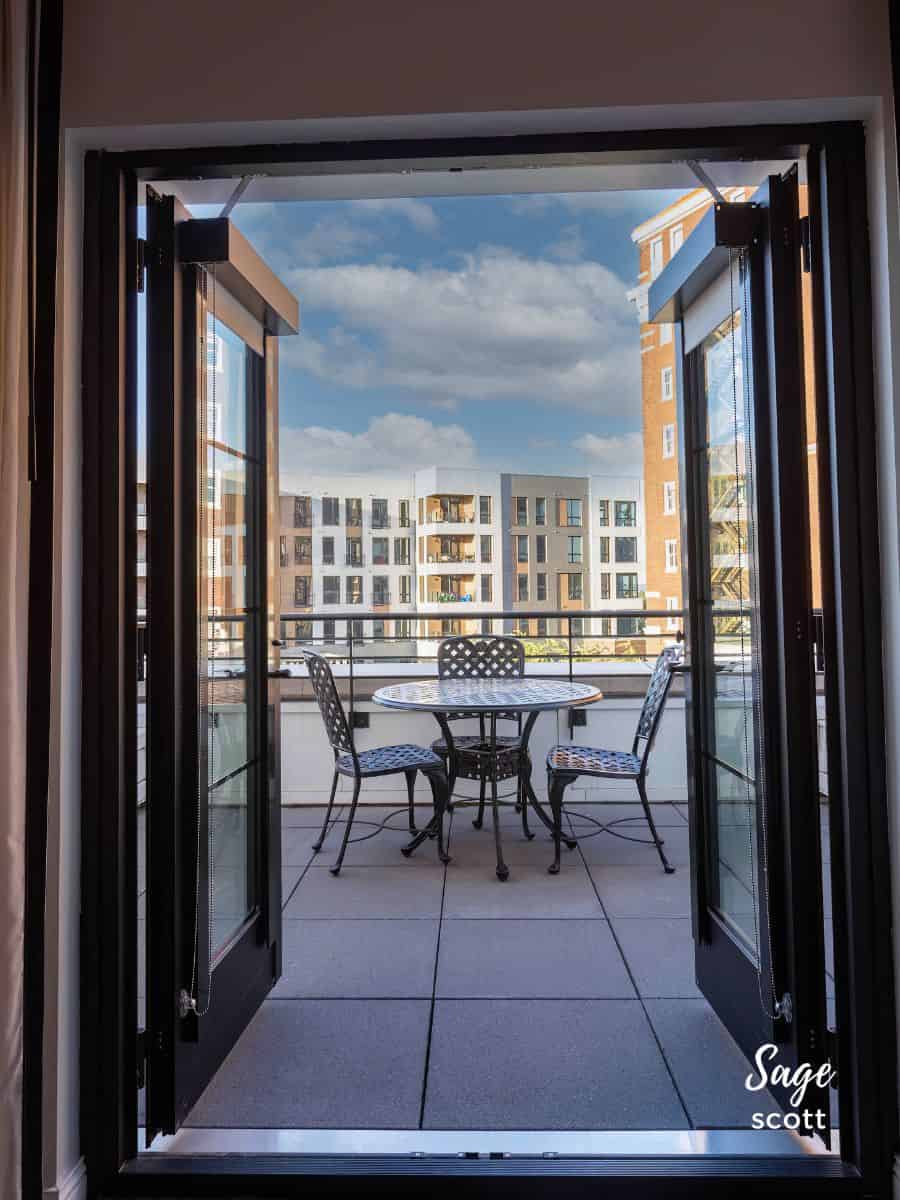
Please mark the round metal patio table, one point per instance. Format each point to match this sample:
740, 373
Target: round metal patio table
487, 698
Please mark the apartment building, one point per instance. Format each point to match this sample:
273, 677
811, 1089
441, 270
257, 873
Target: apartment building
657, 240
451, 547
347, 543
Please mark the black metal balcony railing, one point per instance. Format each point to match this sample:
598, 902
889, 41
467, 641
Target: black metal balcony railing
381, 522
381, 597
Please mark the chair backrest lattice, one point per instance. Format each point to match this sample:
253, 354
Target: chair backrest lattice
337, 727
481, 658
654, 700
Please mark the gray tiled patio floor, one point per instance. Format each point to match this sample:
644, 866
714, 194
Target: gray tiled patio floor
421, 996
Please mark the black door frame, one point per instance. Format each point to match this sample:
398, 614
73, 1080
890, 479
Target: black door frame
835, 154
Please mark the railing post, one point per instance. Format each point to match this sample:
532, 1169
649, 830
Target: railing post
570, 712
350, 648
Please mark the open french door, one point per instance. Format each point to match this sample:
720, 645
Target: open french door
214, 312
733, 292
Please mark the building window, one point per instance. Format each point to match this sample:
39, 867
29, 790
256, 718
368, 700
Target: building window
665, 333
672, 623
486, 626
542, 627
302, 549
328, 551
603, 545
356, 630
576, 625
380, 518
575, 553
522, 548
331, 589
487, 587
421, 510
302, 512
331, 510
405, 589
484, 510
656, 257
604, 585
573, 512
669, 497
354, 556
676, 239
668, 441
605, 627
540, 548
671, 554
603, 517
381, 589
629, 626
404, 514
354, 589
328, 632
521, 587
301, 591
540, 510
353, 511
380, 552
403, 629
626, 586
282, 550
667, 383
486, 548
401, 551
521, 505
377, 630
540, 586
303, 631
626, 549
449, 627
575, 590
626, 513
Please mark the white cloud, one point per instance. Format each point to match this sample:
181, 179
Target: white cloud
501, 325
419, 214
617, 454
635, 203
569, 246
395, 441
330, 238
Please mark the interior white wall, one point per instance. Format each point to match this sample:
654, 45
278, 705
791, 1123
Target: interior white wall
165, 74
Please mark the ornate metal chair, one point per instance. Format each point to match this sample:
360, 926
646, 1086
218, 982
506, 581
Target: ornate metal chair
567, 763
488, 657
368, 764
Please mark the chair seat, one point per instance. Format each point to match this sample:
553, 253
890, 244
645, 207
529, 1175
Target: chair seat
585, 760
386, 760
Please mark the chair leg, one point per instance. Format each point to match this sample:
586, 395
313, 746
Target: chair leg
502, 868
657, 840
440, 792
336, 869
482, 793
411, 792
556, 786
524, 777
317, 846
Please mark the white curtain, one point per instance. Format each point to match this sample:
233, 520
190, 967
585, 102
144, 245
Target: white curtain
14, 334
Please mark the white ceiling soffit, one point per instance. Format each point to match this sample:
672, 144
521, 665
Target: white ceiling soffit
378, 184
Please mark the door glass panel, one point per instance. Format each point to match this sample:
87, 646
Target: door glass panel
229, 620
730, 578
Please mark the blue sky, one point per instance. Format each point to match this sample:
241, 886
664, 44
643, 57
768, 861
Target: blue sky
481, 331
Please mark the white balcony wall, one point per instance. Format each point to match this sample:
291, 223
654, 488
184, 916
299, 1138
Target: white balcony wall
306, 759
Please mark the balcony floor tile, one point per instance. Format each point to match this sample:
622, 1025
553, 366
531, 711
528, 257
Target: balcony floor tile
538, 1064
368, 892
322, 1063
606, 849
642, 891
554, 960
350, 959
660, 955
308, 815
475, 891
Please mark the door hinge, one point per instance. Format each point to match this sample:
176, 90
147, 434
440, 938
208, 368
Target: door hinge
141, 264
141, 1057
831, 1051
805, 245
